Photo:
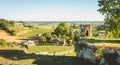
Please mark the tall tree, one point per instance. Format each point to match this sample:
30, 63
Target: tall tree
42, 39
111, 10
62, 29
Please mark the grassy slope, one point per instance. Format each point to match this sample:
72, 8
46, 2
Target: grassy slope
29, 32
34, 31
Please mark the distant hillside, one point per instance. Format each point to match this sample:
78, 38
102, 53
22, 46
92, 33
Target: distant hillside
69, 22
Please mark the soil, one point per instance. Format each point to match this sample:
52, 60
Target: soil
9, 38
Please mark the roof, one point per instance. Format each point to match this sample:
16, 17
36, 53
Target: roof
58, 39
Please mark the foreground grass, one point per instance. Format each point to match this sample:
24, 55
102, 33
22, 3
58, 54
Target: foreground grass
94, 40
4, 61
18, 57
50, 49
104, 43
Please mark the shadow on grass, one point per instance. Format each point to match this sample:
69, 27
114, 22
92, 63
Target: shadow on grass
101, 41
39, 59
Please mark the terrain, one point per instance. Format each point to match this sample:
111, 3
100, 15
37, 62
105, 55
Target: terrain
8, 37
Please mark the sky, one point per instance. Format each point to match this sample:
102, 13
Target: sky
50, 10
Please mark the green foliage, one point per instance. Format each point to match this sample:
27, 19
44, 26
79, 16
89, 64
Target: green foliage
62, 29
109, 35
5, 25
111, 10
47, 35
13, 32
24, 45
71, 34
71, 42
3, 42
99, 53
75, 26
42, 39
12, 23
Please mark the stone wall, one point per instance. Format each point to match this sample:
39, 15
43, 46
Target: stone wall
95, 56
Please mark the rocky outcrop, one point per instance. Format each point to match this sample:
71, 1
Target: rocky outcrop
111, 57
97, 56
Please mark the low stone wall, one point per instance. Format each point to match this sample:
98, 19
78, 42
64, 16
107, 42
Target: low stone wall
96, 56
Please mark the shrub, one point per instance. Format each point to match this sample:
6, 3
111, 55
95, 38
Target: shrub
71, 42
3, 42
42, 39
99, 53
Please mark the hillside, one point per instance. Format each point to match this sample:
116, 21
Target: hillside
6, 36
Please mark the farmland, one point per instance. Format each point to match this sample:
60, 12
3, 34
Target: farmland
22, 31
45, 53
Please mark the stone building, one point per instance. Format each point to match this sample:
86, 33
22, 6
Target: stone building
85, 30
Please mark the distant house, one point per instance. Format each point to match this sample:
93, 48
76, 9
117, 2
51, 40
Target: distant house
57, 40
30, 43
100, 34
36, 37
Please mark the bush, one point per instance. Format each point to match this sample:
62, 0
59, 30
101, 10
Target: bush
71, 42
110, 35
42, 39
13, 33
3, 42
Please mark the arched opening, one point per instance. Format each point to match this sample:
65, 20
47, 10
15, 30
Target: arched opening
87, 33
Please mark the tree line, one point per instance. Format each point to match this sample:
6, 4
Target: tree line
5, 24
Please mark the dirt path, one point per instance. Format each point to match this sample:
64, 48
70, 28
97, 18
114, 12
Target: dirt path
6, 36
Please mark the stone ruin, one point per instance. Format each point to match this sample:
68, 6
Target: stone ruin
91, 55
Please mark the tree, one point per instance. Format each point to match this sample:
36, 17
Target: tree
62, 29
75, 26
111, 10
12, 23
48, 36
3, 42
42, 39
71, 34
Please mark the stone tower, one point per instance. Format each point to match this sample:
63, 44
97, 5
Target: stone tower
85, 30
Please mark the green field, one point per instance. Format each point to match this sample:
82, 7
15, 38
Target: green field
50, 49
33, 31
22, 31
16, 57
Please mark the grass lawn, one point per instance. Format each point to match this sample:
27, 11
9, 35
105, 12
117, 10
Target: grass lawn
18, 57
107, 43
50, 49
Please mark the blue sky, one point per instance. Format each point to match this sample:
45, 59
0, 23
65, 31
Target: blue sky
50, 10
